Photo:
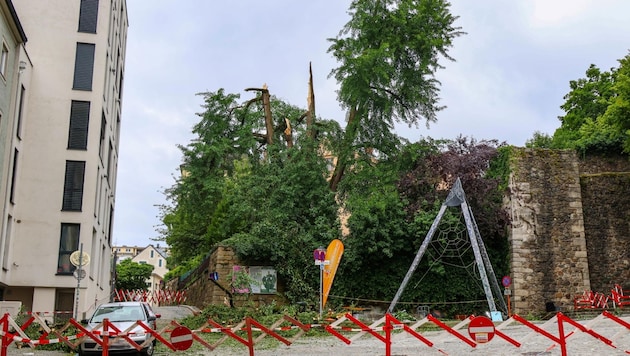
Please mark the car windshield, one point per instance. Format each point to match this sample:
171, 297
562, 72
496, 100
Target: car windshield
118, 313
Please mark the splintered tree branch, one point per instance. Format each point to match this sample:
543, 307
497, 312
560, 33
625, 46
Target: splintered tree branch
310, 100
288, 134
267, 107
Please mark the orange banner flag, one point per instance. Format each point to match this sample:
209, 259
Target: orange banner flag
333, 254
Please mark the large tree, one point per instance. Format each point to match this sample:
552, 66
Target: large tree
388, 54
255, 178
597, 113
230, 133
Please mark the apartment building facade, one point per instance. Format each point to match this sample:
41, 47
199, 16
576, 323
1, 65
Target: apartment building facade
64, 153
155, 257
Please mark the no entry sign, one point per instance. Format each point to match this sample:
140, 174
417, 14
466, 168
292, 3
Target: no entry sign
481, 329
181, 338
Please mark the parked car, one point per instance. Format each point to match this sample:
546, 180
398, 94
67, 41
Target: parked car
122, 315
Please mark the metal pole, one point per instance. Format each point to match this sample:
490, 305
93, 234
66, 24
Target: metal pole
416, 260
321, 289
76, 302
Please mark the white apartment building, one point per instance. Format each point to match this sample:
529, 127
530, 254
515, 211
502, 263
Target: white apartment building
63, 152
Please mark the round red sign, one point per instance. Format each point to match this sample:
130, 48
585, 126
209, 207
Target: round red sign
481, 329
181, 338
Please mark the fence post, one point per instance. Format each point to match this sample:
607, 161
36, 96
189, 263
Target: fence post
105, 337
5, 337
250, 343
562, 337
388, 334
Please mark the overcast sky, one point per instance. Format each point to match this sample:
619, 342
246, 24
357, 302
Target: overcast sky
511, 72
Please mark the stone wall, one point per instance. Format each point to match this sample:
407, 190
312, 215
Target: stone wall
548, 244
606, 200
201, 291
570, 227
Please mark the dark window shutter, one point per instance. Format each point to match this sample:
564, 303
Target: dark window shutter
68, 243
83, 66
79, 122
88, 16
73, 186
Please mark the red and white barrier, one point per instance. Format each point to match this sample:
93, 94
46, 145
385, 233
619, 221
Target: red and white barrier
387, 330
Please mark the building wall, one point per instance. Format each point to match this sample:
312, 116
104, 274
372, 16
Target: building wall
52, 29
12, 98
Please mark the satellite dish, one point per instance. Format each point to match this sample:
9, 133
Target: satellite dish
76, 255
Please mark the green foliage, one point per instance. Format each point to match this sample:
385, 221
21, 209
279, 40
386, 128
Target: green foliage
226, 153
183, 268
394, 203
34, 331
597, 118
131, 275
389, 52
540, 140
272, 203
241, 281
290, 212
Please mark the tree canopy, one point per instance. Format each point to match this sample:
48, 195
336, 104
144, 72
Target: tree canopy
388, 54
132, 275
597, 113
265, 177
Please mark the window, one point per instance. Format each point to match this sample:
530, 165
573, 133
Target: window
101, 144
151, 253
4, 60
7, 243
142, 262
93, 253
88, 16
83, 66
73, 186
110, 161
18, 131
79, 122
160, 262
13, 176
68, 243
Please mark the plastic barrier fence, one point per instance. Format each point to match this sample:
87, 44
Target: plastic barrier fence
158, 297
388, 330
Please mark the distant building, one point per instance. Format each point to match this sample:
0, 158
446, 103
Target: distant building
125, 252
157, 258
63, 68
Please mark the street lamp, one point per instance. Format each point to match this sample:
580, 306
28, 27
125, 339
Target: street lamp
319, 255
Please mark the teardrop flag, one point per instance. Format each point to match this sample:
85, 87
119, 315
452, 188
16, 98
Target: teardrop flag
333, 254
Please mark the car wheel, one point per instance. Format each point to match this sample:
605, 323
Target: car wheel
148, 351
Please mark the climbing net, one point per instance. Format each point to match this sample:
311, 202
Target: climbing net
451, 246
